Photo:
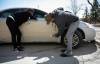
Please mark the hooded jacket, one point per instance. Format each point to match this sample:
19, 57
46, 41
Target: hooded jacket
63, 20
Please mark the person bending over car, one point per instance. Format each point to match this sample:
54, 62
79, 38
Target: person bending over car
13, 22
64, 21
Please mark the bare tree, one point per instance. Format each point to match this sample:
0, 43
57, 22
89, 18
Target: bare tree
89, 3
75, 7
95, 3
86, 13
94, 9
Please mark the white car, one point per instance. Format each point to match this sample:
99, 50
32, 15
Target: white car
36, 29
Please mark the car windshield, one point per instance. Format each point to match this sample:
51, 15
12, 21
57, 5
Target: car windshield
37, 14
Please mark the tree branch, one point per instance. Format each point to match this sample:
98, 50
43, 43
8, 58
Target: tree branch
89, 3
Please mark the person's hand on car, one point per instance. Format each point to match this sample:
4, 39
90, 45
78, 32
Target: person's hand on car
56, 35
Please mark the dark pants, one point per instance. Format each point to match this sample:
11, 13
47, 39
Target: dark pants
15, 32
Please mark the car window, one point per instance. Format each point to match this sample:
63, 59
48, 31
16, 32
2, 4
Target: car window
4, 14
38, 15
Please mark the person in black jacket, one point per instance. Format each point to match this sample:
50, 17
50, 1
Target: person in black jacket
13, 22
64, 21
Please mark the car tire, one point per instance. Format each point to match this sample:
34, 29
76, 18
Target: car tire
77, 39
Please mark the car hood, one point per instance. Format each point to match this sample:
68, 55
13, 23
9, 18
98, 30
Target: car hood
85, 25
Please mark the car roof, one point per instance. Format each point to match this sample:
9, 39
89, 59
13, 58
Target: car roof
22, 9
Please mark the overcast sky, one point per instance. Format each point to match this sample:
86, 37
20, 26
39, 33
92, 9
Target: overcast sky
46, 5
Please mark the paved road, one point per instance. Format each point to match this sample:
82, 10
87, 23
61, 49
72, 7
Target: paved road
97, 34
88, 53
49, 54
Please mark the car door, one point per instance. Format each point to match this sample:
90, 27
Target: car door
37, 30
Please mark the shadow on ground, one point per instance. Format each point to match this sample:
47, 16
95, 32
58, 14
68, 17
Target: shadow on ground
85, 48
42, 54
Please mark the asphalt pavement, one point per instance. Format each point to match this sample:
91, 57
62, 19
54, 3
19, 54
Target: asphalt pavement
87, 53
49, 54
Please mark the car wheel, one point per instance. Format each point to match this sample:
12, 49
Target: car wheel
77, 39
